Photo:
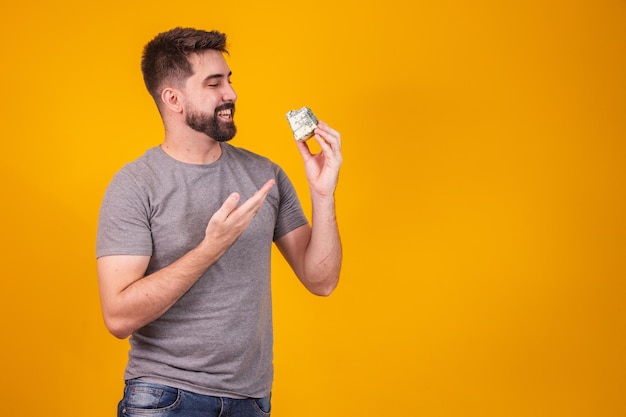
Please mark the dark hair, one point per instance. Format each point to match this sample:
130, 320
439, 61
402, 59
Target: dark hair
165, 58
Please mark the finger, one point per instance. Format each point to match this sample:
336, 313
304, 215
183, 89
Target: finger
323, 126
265, 189
324, 144
330, 135
255, 202
330, 148
229, 205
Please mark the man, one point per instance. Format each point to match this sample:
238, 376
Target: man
184, 242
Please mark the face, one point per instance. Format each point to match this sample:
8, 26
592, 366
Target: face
209, 97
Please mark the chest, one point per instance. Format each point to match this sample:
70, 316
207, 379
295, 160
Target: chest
181, 206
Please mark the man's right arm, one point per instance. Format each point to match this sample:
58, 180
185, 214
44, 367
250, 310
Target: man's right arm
130, 299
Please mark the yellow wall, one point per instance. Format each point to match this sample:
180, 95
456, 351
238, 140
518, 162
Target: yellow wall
481, 201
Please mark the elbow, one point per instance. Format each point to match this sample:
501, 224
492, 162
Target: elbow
119, 334
322, 284
323, 288
117, 327
323, 292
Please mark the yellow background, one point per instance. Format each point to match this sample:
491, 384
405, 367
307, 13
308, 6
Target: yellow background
481, 201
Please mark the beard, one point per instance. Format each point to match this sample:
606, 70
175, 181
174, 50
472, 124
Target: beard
211, 125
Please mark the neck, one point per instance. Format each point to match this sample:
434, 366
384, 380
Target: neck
192, 148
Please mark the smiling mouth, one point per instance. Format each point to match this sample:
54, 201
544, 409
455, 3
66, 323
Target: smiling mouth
226, 114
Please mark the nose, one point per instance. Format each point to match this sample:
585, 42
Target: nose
229, 93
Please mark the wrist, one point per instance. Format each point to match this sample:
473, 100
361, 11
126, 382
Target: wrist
323, 198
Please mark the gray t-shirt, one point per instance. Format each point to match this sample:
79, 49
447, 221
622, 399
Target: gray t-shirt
217, 339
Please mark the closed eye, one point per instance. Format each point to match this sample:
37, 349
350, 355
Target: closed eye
215, 80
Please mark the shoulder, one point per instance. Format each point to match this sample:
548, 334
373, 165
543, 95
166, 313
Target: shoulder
152, 160
148, 165
136, 178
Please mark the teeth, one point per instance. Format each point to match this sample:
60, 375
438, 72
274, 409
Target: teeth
226, 112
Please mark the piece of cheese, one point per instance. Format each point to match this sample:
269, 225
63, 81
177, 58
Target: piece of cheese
303, 122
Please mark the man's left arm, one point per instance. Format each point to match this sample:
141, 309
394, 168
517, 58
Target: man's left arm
314, 251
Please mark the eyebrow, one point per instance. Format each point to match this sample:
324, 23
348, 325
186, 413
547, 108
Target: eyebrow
216, 76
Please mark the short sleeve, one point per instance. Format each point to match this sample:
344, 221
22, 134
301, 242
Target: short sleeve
290, 214
124, 219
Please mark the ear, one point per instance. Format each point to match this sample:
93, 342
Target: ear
171, 99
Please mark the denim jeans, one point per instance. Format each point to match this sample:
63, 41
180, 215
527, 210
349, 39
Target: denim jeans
155, 400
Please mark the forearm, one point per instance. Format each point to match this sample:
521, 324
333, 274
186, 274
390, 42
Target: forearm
315, 254
323, 256
148, 297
